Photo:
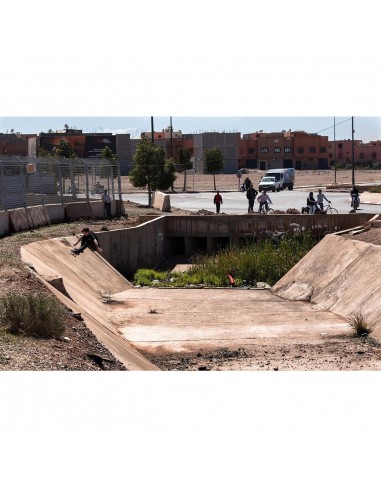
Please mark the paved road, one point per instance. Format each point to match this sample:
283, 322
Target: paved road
236, 202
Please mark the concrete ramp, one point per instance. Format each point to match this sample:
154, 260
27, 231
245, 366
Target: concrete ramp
340, 274
83, 283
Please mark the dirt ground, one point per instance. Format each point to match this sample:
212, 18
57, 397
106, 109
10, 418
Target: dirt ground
81, 351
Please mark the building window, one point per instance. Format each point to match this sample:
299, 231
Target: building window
251, 150
374, 155
340, 156
300, 150
287, 150
340, 145
323, 150
277, 150
264, 150
312, 150
362, 155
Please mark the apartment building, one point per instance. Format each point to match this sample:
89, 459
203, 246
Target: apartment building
228, 143
283, 149
364, 153
14, 143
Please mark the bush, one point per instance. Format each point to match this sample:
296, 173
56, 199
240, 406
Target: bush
146, 276
36, 315
375, 189
359, 325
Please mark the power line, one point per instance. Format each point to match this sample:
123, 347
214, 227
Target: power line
337, 124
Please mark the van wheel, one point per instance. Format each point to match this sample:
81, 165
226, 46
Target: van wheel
291, 187
278, 189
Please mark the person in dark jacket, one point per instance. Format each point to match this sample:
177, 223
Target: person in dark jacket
88, 240
250, 195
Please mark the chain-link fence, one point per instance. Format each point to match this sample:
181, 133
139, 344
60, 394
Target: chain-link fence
26, 181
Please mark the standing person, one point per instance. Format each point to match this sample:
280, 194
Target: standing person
247, 183
88, 240
311, 203
264, 201
250, 195
107, 202
320, 197
217, 201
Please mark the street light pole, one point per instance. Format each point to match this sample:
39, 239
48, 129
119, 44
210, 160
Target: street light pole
152, 132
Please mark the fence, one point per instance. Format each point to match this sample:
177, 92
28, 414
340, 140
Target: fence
27, 181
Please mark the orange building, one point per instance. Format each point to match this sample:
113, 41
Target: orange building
284, 149
364, 153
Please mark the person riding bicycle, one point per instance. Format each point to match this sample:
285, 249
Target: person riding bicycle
264, 201
311, 203
320, 197
355, 197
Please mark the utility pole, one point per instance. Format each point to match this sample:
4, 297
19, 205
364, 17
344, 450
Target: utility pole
353, 155
152, 132
334, 145
171, 132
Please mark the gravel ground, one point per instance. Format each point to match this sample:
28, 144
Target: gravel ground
81, 351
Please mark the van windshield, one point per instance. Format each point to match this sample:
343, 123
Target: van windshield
277, 176
268, 179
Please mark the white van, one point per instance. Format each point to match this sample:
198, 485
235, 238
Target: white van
286, 177
269, 183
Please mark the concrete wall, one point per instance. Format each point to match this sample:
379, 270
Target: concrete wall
55, 212
255, 225
137, 247
4, 223
339, 274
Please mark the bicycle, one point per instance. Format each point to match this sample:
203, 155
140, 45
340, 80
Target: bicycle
328, 209
268, 211
355, 202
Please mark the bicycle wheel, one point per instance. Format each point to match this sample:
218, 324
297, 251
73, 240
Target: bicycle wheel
270, 211
332, 210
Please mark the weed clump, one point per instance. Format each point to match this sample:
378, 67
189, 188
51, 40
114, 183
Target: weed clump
37, 315
360, 326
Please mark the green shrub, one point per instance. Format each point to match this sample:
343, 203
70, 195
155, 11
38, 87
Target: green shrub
36, 315
375, 189
255, 262
145, 276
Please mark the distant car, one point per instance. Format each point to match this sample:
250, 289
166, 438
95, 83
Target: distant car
269, 183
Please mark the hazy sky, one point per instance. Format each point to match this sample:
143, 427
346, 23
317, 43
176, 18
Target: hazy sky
366, 128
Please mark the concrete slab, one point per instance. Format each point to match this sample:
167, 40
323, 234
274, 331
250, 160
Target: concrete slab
85, 278
19, 220
4, 223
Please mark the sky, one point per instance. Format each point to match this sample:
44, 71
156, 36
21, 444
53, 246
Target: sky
211, 65
366, 128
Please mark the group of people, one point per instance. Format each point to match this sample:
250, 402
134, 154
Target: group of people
315, 205
263, 199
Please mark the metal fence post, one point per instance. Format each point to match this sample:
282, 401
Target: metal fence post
119, 180
112, 181
23, 187
3, 185
39, 170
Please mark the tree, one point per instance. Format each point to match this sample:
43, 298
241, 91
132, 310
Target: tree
64, 149
184, 163
66, 126
214, 161
169, 175
151, 168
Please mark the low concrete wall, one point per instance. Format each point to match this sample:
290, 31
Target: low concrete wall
38, 216
161, 201
137, 247
4, 223
55, 212
19, 220
339, 274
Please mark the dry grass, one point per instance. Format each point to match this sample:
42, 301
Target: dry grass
359, 324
